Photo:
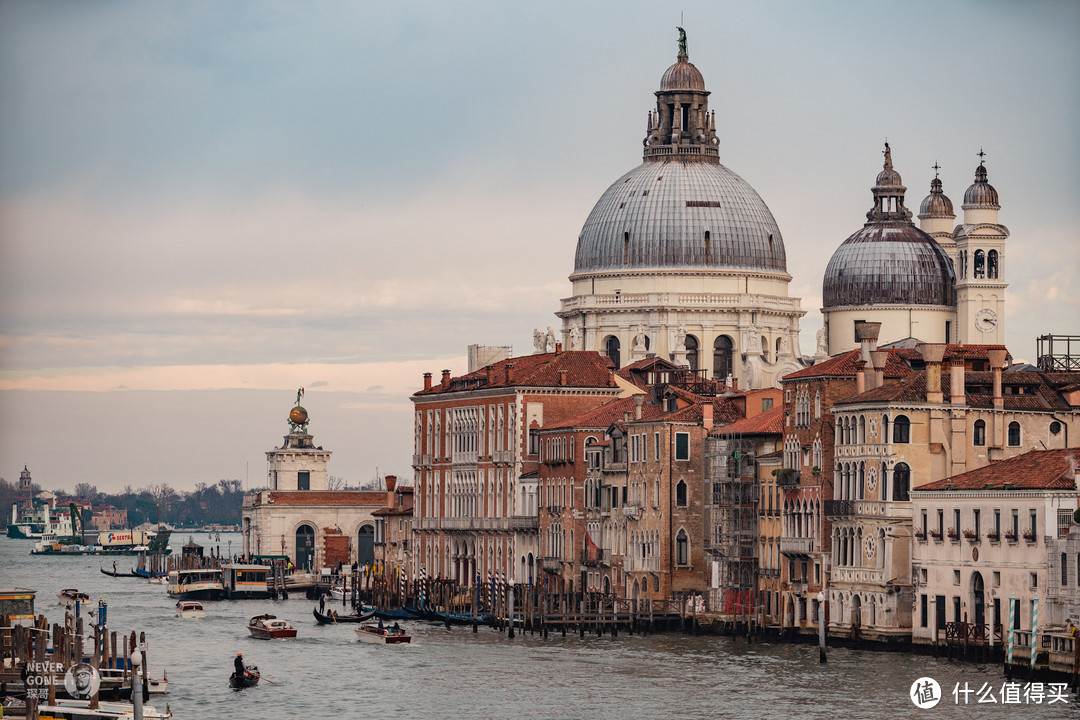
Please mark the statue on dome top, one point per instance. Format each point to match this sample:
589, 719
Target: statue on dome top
682, 42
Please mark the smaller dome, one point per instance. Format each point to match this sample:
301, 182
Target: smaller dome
682, 76
936, 204
889, 178
981, 194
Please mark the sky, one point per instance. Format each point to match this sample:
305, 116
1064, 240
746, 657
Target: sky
207, 205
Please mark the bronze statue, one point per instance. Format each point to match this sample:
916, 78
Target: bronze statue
682, 42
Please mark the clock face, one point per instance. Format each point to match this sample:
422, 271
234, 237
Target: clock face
986, 320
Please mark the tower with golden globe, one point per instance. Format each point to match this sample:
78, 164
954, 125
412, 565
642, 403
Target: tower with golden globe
298, 464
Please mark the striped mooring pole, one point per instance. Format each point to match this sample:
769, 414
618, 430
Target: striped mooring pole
1012, 627
1034, 629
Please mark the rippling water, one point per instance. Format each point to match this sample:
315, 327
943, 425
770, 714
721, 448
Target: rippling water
454, 673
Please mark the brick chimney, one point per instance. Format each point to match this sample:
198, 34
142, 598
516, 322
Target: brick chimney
490, 374
997, 364
860, 377
639, 400
958, 395
391, 482
867, 335
706, 416
427, 381
880, 358
445, 379
562, 378
509, 373
558, 348
933, 353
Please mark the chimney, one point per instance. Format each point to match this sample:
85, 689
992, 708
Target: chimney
391, 482
933, 353
880, 358
734, 383
639, 400
997, 364
562, 378
867, 335
427, 381
706, 416
490, 374
509, 373
446, 379
611, 379
558, 348
956, 381
860, 377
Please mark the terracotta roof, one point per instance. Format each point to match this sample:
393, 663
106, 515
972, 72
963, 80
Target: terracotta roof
327, 497
843, 365
583, 369
1039, 395
604, 415
1035, 470
382, 512
770, 422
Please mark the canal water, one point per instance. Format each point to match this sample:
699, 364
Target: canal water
453, 673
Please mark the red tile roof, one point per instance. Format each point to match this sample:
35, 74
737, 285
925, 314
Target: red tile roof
1035, 470
583, 369
1039, 394
604, 415
843, 365
770, 422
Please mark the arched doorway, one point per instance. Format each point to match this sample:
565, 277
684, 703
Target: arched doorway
979, 598
611, 349
305, 547
365, 545
856, 613
607, 585
722, 355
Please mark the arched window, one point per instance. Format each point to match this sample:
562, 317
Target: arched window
1014, 434
611, 349
978, 434
680, 494
980, 264
901, 430
901, 482
682, 549
992, 264
692, 352
722, 352
885, 428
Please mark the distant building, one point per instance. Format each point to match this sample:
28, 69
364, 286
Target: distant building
394, 531
107, 517
297, 517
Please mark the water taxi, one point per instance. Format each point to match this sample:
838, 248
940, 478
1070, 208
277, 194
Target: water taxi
270, 627
190, 609
68, 597
381, 635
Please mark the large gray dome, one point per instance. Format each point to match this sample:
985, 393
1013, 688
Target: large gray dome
680, 214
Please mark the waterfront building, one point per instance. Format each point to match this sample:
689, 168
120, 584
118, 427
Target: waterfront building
805, 481
982, 541
476, 456
107, 517
934, 282
297, 517
742, 516
681, 258
393, 530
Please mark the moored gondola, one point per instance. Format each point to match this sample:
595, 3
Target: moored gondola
116, 574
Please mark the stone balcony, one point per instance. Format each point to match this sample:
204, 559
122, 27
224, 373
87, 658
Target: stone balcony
632, 511
854, 575
551, 564
796, 546
637, 564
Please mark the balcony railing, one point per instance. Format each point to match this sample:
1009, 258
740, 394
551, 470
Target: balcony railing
551, 564
790, 479
598, 556
796, 546
524, 522
839, 508
632, 511
637, 564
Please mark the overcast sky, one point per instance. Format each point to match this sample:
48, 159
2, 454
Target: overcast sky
206, 205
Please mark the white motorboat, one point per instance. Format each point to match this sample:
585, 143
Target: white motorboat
381, 634
190, 609
69, 596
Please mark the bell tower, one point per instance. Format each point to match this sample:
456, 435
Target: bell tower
980, 265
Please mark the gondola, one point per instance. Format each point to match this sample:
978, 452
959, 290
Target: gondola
336, 619
249, 679
116, 574
454, 618
139, 572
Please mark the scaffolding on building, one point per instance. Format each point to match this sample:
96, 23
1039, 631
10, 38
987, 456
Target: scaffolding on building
731, 525
1055, 353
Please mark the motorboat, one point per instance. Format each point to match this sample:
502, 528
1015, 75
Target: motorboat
69, 596
341, 592
190, 609
381, 634
270, 627
198, 584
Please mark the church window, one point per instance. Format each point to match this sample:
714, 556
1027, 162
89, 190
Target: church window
708, 248
611, 348
722, 357
980, 264
692, 351
978, 436
992, 264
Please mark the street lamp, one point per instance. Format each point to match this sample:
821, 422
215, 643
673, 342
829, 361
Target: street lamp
136, 684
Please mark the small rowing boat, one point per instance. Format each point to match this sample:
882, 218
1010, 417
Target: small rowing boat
249, 679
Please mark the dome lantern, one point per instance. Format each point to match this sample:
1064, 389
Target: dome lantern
682, 126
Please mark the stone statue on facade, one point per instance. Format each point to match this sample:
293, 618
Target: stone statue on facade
575, 337
680, 338
752, 343
785, 346
822, 343
539, 341
549, 340
639, 339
